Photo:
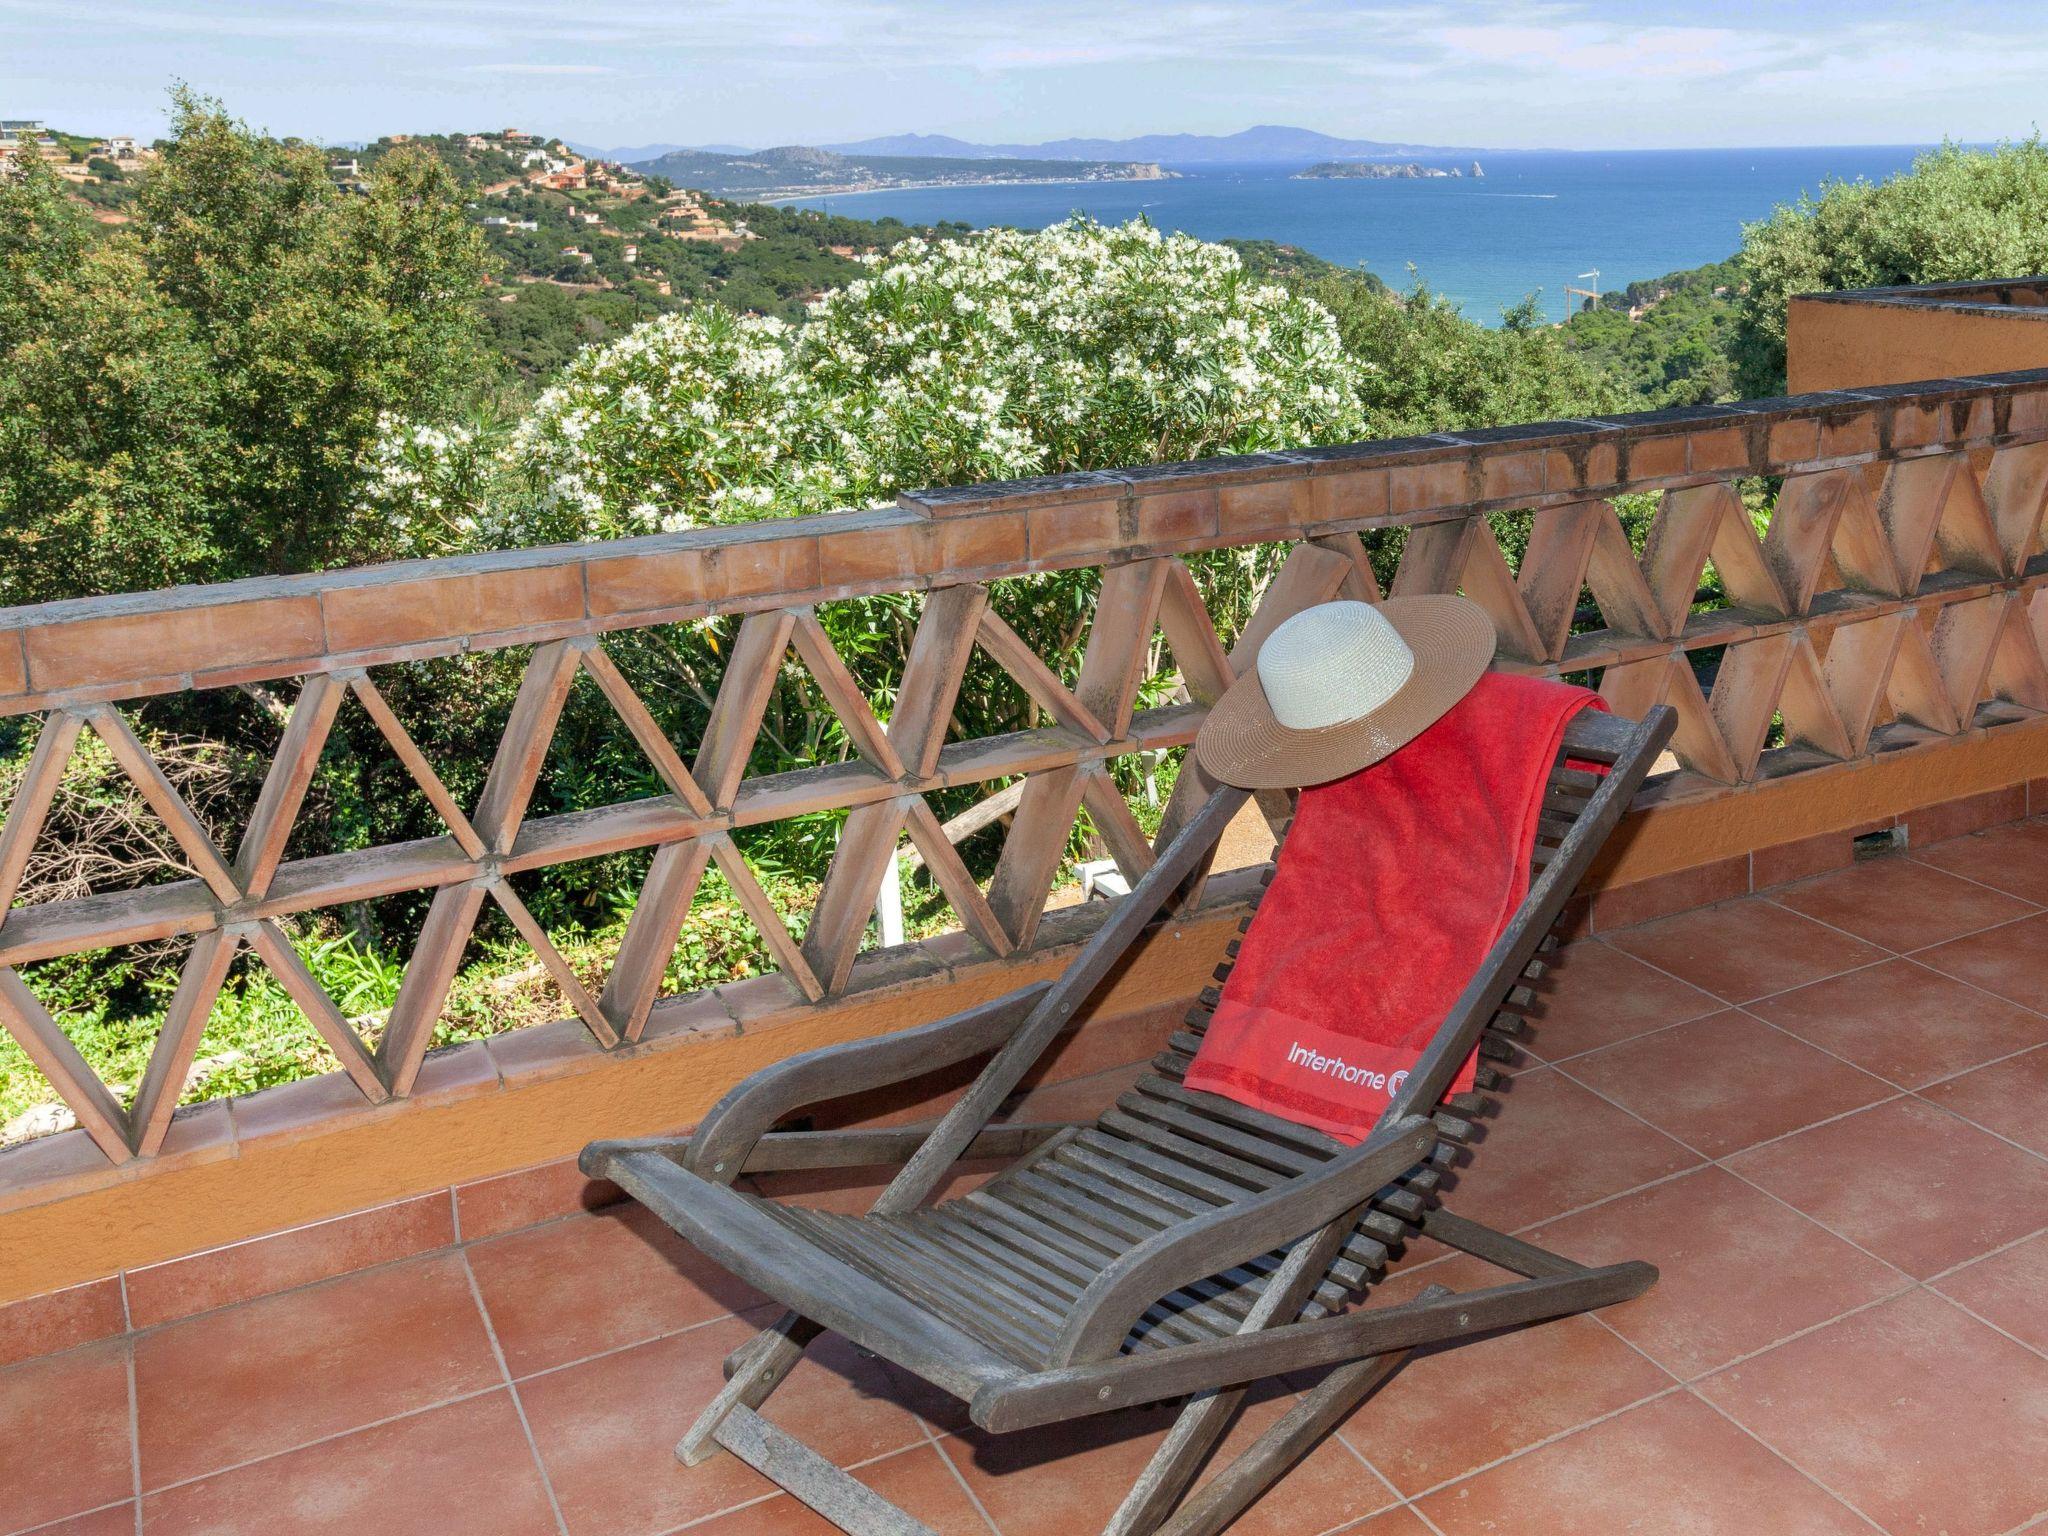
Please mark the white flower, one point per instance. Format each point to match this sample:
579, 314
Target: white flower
1006, 353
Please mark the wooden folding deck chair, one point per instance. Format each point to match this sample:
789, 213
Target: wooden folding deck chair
1181, 1246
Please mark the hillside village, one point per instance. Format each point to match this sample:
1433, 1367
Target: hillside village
584, 247
557, 216
95, 168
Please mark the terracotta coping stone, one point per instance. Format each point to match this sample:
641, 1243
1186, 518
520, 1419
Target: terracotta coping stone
97, 649
1974, 296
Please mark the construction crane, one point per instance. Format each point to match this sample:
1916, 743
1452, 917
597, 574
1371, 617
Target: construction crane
1590, 295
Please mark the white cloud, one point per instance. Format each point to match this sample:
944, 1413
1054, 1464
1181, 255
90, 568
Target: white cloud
1587, 50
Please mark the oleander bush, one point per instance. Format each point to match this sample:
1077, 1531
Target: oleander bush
1012, 353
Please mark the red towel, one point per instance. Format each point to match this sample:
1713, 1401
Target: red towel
1394, 883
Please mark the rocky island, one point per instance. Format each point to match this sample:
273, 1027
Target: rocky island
1380, 170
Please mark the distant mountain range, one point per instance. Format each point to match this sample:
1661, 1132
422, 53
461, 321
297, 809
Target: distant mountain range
1266, 145
1262, 145
632, 153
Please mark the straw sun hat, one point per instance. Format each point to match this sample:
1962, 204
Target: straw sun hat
1340, 686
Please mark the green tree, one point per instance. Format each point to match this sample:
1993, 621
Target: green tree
42, 235
108, 446
1678, 353
322, 310
1959, 214
193, 396
1426, 367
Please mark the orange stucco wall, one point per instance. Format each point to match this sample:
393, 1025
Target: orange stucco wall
1841, 344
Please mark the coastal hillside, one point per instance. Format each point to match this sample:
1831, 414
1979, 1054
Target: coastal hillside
583, 248
797, 168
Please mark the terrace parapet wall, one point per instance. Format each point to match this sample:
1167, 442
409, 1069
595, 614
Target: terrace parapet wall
1880, 649
1872, 336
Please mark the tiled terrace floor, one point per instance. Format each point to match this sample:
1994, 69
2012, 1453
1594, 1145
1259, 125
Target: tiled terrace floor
1823, 1113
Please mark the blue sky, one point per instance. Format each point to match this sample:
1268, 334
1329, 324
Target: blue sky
619, 72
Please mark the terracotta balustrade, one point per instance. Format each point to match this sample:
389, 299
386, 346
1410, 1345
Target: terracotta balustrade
1893, 602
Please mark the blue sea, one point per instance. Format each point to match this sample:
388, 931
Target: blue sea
1532, 224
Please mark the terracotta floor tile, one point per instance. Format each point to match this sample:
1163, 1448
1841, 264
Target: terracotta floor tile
1552, 1147
1904, 1022
607, 1428
584, 1284
917, 1481
1736, 1269
464, 1469
56, 1320
2007, 1290
2011, 961
1595, 995
1744, 949
2011, 858
1726, 1081
115, 1520
64, 1441
280, 1371
490, 1207
1923, 1418
1915, 1186
1669, 1468
1900, 903
2008, 1097
278, 1261
1445, 1412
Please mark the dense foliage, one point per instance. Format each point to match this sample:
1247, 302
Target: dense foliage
192, 397
1667, 342
1423, 366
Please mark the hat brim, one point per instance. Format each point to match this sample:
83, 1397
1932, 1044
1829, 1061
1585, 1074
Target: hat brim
1242, 744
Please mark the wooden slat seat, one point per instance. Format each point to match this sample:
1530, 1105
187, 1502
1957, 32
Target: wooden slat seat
1007, 1263
1182, 1243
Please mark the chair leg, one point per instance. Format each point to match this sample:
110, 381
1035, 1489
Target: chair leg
1202, 1422
1238, 1486
812, 1480
1232, 1491
1196, 1429
767, 1358
1497, 1248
